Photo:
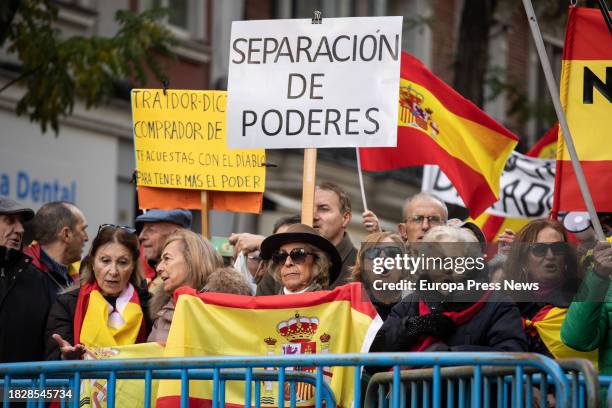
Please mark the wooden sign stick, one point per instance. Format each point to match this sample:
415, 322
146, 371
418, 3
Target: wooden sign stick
308, 185
204, 198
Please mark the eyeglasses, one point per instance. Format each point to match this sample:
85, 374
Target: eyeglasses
431, 219
298, 256
541, 249
387, 251
125, 228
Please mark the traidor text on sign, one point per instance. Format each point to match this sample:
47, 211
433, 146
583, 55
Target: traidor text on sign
180, 142
294, 84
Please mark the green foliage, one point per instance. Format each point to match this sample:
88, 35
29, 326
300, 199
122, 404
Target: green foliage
57, 71
519, 104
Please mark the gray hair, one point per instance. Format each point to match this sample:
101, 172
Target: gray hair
320, 267
445, 233
424, 196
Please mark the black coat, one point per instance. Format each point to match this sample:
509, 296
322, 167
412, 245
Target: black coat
24, 305
496, 327
61, 319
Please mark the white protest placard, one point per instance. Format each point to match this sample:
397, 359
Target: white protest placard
295, 84
526, 187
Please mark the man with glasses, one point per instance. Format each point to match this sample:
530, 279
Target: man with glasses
60, 231
24, 294
421, 213
155, 227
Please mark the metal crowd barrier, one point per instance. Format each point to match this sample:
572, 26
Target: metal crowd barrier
500, 386
254, 369
606, 385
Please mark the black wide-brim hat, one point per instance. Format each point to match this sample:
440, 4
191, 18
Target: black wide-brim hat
308, 235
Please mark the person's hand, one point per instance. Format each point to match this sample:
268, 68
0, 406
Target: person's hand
69, 352
505, 240
370, 222
245, 242
432, 324
602, 259
438, 346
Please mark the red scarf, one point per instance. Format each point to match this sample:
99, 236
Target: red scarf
458, 318
81, 310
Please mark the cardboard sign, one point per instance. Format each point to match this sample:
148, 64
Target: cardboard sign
294, 84
179, 141
526, 187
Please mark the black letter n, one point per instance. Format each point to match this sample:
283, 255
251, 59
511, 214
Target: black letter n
592, 81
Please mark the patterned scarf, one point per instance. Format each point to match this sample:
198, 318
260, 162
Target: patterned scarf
98, 324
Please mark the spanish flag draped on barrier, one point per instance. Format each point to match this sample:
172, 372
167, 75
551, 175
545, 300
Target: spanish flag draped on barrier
439, 126
493, 225
547, 325
212, 324
586, 97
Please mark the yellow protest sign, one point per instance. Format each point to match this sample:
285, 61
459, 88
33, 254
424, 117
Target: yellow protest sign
180, 142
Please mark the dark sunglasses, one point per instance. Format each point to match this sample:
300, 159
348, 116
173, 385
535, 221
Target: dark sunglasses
387, 251
298, 256
541, 249
127, 229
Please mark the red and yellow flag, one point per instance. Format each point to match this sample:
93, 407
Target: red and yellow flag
439, 126
586, 97
214, 324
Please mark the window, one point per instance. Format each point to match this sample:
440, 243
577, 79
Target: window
186, 19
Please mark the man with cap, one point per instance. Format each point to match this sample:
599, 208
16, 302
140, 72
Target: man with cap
155, 227
24, 294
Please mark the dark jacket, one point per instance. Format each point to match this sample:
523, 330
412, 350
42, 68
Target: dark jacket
24, 305
61, 319
269, 286
58, 278
495, 327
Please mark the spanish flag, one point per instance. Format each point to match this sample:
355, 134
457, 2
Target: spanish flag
438, 126
215, 324
586, 97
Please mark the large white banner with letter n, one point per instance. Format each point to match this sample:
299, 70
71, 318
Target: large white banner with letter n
294, 84
525, 190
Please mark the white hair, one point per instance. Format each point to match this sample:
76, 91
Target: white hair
445, 233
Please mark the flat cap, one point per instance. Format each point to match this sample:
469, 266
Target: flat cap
181, 218
8, 206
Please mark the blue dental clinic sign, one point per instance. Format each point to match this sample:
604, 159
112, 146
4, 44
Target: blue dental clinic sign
26, 187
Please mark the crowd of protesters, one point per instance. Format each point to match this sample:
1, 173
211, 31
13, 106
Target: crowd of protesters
123, 292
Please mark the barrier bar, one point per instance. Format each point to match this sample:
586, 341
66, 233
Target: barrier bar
185, 387
437, 389
148, 380
395, 387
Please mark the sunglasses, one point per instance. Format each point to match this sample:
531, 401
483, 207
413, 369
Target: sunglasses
387, 251
298, 256
540, 250
125, 228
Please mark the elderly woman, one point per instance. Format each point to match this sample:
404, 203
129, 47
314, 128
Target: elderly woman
110, 307
189, 260
381, 245
435, 318
540, 254
301, 259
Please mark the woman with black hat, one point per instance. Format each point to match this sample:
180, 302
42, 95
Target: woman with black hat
302, 260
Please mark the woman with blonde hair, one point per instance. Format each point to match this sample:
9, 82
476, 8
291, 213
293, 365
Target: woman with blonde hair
187, 260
